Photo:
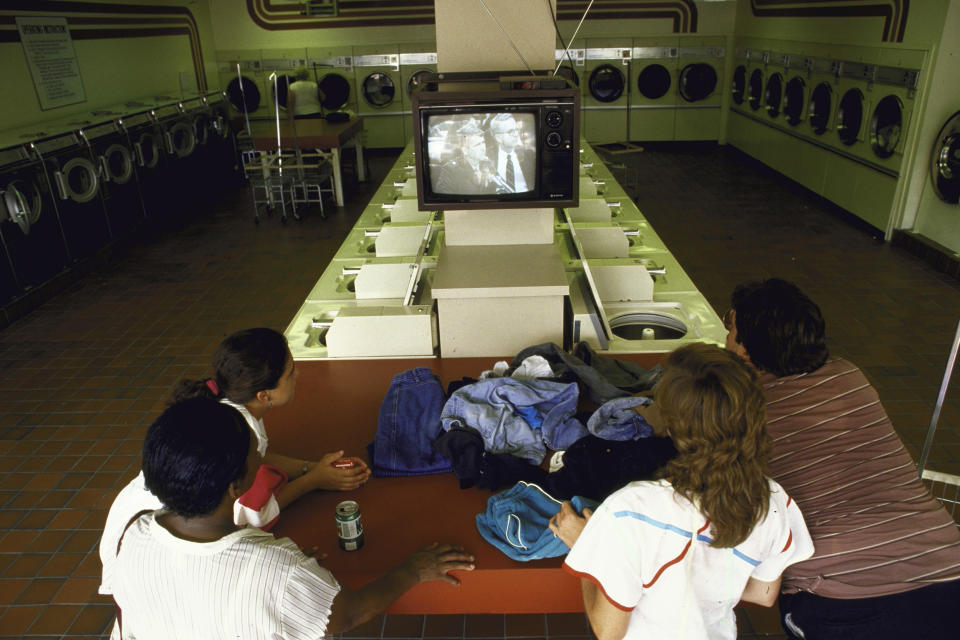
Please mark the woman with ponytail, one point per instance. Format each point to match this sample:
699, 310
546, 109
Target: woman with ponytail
670, 558
253, 372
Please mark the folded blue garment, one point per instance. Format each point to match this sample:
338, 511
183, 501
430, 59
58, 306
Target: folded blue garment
517, 521
616, 420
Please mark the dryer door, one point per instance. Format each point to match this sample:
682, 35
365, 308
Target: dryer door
654, 81
773, 96
755, 94
243, 94
78, 180
378, 89
117, 162
886, 125
184, 139
945, 161
818, 111
606, 83
282, 89
739, 84
568, 72
850, 116
336, 89
793, 100
697, 81
147, 147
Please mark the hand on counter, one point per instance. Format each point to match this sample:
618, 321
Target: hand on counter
435, 561
567, 524
324, 475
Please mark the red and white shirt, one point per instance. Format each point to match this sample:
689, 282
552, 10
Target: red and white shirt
258, 507
648, 550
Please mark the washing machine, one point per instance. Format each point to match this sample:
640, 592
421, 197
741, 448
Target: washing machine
379, 102
224, 168
701, 69
417, 63
332, 69
606, 86
653, 96
32, 238
149, 141
75, 177
112, 153
182, 170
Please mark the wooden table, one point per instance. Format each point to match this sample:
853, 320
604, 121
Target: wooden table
336, 407
313, 133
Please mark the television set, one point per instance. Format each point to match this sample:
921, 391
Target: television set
496, 149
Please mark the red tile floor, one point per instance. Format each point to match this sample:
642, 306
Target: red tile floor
82, 376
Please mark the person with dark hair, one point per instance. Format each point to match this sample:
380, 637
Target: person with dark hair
670, 558
887, 561
188, 571
253, 373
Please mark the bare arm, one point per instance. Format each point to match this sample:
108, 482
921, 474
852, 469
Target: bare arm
320, 475
607, 621
762, 593
353, 607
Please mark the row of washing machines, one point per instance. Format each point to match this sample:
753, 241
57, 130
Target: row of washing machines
71, 187
664, 88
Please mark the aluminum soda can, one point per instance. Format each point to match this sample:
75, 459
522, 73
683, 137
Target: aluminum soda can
349, 527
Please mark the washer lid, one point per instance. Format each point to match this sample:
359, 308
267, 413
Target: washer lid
697, 81
606, 83
378, 89
243, 94
654, 81
336, 89
886, 126
945, 161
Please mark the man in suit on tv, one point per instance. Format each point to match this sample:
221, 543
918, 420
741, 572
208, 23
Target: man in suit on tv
469, 171
512, 161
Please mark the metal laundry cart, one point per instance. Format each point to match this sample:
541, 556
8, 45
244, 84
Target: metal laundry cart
945, 486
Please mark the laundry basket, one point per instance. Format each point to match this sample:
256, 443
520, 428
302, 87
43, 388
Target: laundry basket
944, 486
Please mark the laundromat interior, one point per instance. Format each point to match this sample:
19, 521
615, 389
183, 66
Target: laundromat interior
730, 140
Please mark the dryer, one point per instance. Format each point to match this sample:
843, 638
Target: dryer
113, 154
379, 101
333, 71
606, 86
653, 97
32, 238
945, 161
242, 79
894, 90
701, 68
417, 63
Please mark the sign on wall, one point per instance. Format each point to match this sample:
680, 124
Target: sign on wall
53, 64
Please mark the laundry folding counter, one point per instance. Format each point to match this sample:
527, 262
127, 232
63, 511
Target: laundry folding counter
336, 407
313, 133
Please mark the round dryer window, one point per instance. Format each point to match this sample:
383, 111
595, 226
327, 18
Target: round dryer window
697, 81
945, 161
850, 116
23, 203
336, 91
184, 140
756, 89
568, 72
606, 83
885, 126
654, 81
739, 83
818, 110
118, 163
243, 94
793, 100
420, 81
378, 89
149, 150
282, 90
80, 180
773, 96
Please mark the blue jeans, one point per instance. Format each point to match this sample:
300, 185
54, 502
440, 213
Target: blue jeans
408, 423
925, 614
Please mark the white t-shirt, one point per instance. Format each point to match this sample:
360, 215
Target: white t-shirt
135, 497
305, 100
247, 584
647, 548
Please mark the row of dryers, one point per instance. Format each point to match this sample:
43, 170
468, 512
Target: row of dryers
69, 188
376, 84
859, 107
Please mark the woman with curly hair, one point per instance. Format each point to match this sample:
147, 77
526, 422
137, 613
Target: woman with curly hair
670, 558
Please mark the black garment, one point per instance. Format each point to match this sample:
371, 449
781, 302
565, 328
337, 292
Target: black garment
605, 378
925, 613
594, 468
474, 466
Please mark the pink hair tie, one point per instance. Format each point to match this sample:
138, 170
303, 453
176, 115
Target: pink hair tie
212, 385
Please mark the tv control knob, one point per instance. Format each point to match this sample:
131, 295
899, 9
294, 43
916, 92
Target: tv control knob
554, 139
554, 119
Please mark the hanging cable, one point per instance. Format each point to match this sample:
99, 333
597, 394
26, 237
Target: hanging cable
582, 18
507, 36
556, 28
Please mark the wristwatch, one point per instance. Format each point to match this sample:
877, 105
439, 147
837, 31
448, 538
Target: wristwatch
304, 467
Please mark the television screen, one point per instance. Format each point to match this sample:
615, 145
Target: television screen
482, 153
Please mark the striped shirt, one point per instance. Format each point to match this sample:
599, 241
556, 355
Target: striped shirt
648, 550
247, 584
877, 530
